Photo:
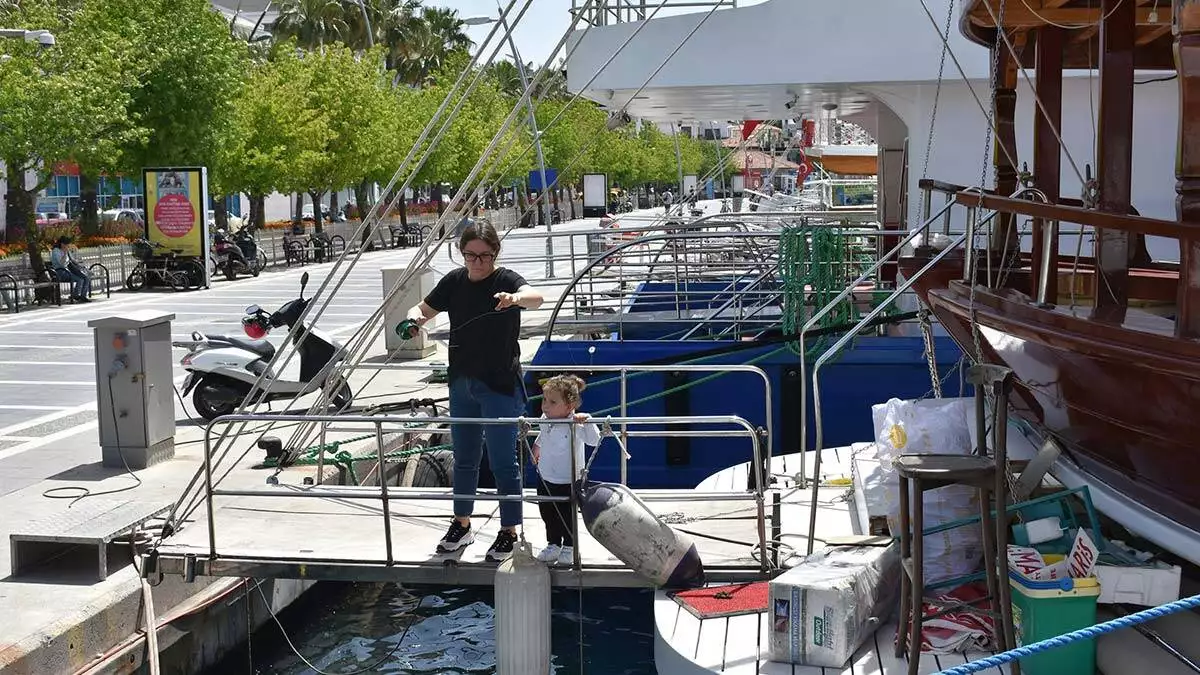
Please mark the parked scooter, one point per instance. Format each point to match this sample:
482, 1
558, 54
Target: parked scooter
222, 369
248, 244
229, 257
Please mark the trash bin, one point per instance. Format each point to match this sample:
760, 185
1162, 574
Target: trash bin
1046, 609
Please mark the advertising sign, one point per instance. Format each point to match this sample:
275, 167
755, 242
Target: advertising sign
595, 195
737, 184
176, 216
689, 185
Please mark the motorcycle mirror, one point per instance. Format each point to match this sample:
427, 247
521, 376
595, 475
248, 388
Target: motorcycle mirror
303, 283
253, 309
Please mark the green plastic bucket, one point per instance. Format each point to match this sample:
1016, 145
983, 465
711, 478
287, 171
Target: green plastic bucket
1046, 609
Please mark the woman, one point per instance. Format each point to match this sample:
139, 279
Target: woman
67, 268
483, 301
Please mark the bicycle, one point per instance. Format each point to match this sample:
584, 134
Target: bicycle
167, 268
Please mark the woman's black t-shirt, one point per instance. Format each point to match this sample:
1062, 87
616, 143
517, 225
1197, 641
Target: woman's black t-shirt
483, 342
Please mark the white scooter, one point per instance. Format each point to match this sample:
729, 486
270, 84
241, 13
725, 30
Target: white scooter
223, 369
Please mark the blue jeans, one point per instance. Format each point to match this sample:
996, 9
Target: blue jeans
471, 398
81, 284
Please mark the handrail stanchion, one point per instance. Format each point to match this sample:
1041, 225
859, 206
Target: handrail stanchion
624, 427
208, 493
383, 487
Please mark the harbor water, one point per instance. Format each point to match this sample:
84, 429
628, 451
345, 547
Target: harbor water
344, 628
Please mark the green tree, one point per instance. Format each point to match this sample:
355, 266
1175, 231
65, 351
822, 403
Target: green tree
62, 104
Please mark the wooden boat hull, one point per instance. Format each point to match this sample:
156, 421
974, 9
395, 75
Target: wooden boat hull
1123, 400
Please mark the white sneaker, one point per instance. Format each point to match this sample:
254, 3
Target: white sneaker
566, 555
550, 554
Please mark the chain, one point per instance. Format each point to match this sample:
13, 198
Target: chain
930, 354
937, 93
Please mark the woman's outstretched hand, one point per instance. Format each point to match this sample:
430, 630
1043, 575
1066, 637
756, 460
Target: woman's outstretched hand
505, 300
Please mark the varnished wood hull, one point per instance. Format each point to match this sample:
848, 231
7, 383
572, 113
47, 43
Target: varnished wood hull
1123, 400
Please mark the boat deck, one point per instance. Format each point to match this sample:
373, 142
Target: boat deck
686, 645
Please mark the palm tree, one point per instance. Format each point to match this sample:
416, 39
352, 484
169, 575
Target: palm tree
444, 23
508, 78
314, 23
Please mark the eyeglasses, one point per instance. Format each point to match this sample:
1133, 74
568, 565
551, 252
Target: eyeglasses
478, 257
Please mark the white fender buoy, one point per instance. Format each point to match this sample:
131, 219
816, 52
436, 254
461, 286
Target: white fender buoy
624, 525
522, 614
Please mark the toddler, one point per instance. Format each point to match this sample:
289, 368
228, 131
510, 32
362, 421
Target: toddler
552, 453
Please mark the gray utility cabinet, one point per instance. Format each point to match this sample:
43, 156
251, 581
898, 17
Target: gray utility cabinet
134, 388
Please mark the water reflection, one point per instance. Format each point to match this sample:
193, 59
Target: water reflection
426, 630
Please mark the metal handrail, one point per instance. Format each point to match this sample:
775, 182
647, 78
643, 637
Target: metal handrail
367, 493
624, 371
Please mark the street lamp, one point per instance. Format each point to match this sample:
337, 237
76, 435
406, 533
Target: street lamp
537, 137
43, 37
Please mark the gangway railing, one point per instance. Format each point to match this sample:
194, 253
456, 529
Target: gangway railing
384, 496
622, 375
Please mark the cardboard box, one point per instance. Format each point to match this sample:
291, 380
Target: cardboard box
825, 607
1148, 586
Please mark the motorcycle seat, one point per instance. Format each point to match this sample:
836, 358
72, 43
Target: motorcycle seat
261, 347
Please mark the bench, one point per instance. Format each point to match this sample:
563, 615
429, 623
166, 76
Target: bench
17, 288
79, 537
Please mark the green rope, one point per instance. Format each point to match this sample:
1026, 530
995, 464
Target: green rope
815, 265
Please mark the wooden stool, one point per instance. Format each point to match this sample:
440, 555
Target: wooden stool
986, 474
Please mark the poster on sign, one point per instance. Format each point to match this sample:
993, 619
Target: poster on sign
176, 216
595, 195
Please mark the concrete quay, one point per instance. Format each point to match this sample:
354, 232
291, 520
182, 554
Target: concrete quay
57, 618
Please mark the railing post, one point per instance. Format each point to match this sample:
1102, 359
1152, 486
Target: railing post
969, 254
1047, 264
387, 514
624, 426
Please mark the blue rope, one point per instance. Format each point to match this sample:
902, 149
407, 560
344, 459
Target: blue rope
1075, 636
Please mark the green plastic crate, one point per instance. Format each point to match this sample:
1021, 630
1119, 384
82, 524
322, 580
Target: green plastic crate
1046, 609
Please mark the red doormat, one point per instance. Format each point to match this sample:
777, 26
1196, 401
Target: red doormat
718, 601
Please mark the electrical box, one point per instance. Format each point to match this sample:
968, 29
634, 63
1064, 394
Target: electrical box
135, 390
395, 310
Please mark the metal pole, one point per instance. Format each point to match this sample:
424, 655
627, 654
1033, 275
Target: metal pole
537, 144
678, 165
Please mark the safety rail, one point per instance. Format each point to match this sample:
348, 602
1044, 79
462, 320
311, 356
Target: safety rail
744, 262
609, 12
623, 373
382, 494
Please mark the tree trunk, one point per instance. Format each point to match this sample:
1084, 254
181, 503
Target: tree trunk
362, 201
89, 214
20, 215
298, 214
333, 202
571, 199
403, 211
437, 199
220, 213
318, 216
554, 201
258, 211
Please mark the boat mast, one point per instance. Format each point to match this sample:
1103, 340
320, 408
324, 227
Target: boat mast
1006, 246
1186, 18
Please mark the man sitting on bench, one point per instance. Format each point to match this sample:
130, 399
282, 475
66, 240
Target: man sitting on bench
66, 267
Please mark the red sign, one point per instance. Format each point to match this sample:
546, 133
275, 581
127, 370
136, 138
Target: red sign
174, 215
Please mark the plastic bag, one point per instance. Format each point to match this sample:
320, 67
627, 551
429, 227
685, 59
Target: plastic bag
938, 426
928, 426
